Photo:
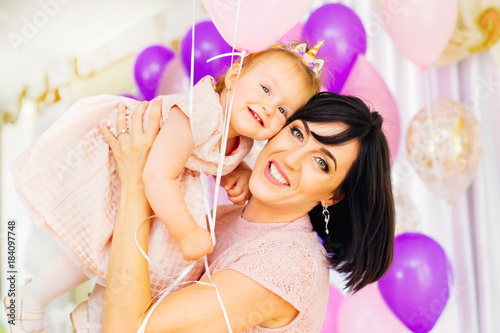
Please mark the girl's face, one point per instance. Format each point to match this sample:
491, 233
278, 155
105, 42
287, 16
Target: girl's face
265, 97
294, 172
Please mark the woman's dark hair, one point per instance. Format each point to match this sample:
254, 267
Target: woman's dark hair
361, 229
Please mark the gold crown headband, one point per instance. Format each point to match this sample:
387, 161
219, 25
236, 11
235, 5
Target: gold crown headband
308, 57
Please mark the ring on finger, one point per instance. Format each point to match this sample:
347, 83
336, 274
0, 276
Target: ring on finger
121, 132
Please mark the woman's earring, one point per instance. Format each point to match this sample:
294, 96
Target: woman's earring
227, 86
326, 214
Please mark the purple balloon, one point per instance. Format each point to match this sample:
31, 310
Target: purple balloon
416, 287
344, 37
207, 43
130, 96
149, 67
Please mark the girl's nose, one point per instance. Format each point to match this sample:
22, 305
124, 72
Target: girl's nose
267, 110
270, 108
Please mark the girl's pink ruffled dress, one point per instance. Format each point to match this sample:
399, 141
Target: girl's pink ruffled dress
68, 181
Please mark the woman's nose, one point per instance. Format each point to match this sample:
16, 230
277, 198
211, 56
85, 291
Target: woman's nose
294, 157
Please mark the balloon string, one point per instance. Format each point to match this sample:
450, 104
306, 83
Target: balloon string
222, 153
223, 149
240, 54
430, 121
164, 293
427, 93
212, 217
226, 122
187, 269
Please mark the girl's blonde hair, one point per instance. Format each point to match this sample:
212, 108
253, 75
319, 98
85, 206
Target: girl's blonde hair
311, 79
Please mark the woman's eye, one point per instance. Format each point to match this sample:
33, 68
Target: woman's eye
265, 90
322, 164
282, 111
297, 133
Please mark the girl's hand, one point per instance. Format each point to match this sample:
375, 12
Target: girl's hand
131, 149
196, 245
236, 184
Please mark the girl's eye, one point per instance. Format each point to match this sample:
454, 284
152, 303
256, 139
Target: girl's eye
282, 111
322, 164
297, 133
265, 90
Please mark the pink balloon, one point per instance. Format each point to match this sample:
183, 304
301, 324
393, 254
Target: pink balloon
366, 311
365, 82
420, 29
293, 35
335, 298
260, 23
174, 78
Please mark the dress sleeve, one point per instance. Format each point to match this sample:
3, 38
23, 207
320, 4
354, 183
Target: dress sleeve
285, 267
206, 116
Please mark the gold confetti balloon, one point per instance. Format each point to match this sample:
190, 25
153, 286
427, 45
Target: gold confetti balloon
444, 147
407, 216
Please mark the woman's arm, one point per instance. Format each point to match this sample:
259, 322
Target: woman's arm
128, 291
192, 309
168, 157
197, 309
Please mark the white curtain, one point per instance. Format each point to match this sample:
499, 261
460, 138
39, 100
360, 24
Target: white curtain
468, 228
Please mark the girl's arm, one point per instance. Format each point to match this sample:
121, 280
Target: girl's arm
168, 156
192, 309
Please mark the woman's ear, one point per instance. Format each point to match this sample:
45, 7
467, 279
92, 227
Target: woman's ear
333, 200
232, 75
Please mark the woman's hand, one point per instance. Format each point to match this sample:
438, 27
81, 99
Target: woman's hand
131, 149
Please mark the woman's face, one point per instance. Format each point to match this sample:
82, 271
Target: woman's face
295, 172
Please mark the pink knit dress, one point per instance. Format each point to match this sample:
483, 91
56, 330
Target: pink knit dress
285, 258
68, 181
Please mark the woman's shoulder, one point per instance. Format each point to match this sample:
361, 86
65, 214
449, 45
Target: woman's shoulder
285, 258
280, 249
293, 266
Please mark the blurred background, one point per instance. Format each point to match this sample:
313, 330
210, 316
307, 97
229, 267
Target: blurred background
431, 68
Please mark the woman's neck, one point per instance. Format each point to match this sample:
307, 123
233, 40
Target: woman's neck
261, 212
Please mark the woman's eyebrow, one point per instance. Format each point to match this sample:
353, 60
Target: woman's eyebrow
327, 152
323, 150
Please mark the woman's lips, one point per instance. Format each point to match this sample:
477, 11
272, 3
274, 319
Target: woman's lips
275, 174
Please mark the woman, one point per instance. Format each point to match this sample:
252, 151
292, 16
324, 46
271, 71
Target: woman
331, 159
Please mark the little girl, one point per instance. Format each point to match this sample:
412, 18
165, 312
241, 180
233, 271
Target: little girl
68, 181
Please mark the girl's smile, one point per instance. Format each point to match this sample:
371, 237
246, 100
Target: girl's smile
264, 97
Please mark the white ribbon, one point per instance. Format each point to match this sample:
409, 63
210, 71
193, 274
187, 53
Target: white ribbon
211, 217
240, 54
